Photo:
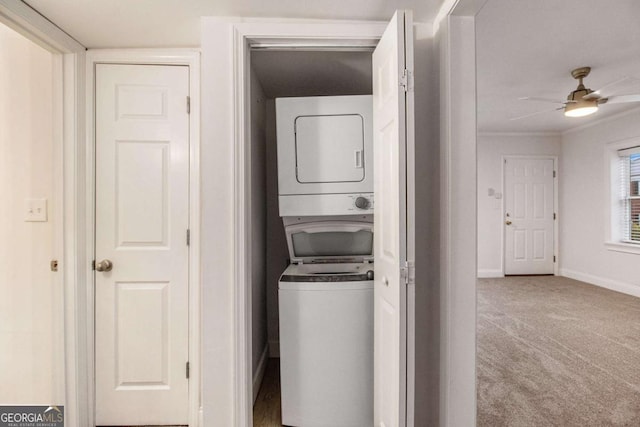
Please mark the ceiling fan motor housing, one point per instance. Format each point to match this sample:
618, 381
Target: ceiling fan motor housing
577, 106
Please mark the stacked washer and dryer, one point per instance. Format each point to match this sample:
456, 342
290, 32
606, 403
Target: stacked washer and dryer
325, 188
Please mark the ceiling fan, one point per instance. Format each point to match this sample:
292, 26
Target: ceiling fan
583, 101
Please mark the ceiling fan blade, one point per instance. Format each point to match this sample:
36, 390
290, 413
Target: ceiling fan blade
620, 99
601, 93
535, 98
535, 114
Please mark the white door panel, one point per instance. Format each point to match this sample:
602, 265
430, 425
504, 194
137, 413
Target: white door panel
141, 305
529, 216
391, 118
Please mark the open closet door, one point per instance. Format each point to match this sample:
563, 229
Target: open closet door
393, 133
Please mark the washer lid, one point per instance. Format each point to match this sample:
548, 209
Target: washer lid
330, 241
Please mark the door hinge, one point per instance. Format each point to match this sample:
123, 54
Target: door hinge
554, 258
408, 273
406, 80
554, 174
187, 370
554, 215
188, 237
188, 105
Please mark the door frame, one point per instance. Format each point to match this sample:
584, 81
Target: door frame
186, 57
328, 34
556, 205
69, 232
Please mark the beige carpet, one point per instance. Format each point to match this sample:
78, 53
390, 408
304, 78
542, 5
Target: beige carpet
556, 352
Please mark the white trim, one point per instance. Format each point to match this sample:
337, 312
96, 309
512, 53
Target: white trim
190, 58
629, 248
76, 265
24, 19
486, 273
556, 207
612, 231
519, 134
614, 285
244, 33
258, 376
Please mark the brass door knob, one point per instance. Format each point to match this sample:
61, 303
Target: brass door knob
508, 222
104, 265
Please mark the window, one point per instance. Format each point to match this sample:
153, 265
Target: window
630, 194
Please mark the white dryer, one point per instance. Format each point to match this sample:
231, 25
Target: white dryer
325, 155
326, 323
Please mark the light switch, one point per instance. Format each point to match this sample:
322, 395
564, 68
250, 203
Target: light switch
35, 210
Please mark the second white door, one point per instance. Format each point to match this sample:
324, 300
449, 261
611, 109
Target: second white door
529, 216
392, 137
142, 217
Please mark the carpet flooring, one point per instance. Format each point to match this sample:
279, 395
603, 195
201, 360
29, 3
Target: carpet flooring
552, 351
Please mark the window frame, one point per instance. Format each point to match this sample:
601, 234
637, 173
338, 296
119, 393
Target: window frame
615, 239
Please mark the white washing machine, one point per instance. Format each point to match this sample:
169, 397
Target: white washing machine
326, 323
325, 155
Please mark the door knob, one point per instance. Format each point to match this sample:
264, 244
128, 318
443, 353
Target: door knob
508, 222
104, 265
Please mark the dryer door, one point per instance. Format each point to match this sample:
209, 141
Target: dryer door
329, 148
324, 145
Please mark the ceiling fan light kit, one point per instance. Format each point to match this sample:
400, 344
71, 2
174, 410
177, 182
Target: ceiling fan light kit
581, 108
584, 101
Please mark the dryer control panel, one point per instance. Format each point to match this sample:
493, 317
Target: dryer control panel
326, 204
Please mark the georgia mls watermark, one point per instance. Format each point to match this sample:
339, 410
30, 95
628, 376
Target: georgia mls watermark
32, 416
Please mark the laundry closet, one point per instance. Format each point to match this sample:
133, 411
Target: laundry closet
312, 232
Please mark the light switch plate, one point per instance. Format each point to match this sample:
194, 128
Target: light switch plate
35, 210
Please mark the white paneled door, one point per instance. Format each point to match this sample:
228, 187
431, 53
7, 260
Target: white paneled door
529, 216
393, 121
142, 217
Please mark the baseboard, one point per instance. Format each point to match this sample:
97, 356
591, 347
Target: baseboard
603, 282
274, 348
259, 374
490, 273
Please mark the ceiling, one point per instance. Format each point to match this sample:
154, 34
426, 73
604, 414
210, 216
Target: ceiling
319, 73
175, 23
528, 48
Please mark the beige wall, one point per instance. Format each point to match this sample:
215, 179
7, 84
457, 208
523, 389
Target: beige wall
27, 295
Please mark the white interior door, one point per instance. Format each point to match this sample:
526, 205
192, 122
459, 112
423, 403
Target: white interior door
142, 188
529, 216
392, 124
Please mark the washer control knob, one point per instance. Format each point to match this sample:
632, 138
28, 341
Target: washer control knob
362, 202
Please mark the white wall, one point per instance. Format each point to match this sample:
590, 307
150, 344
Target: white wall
258, 227
427, 223
217, 226
584, 206
28, 301
457, 216
491, 149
